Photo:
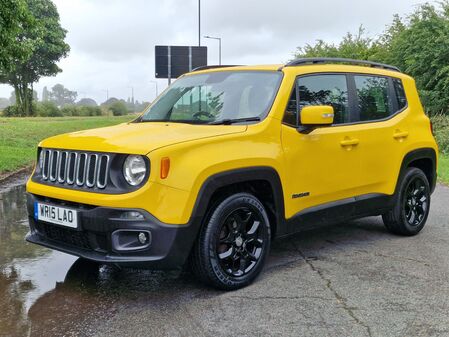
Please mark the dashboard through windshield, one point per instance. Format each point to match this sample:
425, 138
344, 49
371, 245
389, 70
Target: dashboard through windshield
217, 97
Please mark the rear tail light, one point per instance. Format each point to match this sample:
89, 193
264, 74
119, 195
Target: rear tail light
431, 127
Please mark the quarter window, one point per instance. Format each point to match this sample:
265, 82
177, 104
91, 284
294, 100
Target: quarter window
320, 90
400, 93
373, 97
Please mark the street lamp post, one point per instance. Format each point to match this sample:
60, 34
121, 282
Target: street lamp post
199, 23
157, 92
107, 94
219, 46
132, 93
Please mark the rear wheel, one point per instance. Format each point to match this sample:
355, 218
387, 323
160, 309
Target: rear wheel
410, 213
233, 244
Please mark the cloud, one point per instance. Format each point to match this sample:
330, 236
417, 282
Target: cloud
112, 41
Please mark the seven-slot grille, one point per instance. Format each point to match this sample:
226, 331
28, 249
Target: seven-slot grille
74, 168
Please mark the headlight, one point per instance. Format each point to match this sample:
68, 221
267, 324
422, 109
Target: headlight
134, 170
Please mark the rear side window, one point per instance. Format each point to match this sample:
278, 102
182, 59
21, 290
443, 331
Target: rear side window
320, 90
400, 94
373, 97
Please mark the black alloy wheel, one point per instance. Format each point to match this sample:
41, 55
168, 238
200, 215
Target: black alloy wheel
233, 244
416, 201
409, 214
240, 242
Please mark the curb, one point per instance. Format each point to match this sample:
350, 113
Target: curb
8, 176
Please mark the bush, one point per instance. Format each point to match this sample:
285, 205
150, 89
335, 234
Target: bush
441, 130
118, 108
89, 111
70, 110
11, 111
48, 109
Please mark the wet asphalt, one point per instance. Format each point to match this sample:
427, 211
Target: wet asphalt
353, 279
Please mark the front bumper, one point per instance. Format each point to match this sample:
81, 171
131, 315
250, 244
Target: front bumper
168, 248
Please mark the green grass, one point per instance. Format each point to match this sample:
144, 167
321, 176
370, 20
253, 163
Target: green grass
443, 168
19, 136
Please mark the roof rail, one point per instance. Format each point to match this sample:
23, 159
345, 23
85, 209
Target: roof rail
215, 66
317, 60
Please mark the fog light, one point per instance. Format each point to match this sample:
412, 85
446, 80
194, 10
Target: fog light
132, 215
143, 238
127, 240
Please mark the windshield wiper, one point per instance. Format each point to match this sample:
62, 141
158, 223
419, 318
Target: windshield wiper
234, 120
185, 121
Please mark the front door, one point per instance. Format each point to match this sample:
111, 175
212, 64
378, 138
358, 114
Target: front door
322, 167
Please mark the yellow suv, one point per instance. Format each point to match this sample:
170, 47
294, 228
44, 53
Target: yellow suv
229, 157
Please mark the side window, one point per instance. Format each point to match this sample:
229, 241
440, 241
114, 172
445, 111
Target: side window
373, 97
400, 93
323, 90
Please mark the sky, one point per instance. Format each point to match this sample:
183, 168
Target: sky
112, 41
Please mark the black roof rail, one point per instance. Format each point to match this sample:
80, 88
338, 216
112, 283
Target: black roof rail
317, 60
215, 66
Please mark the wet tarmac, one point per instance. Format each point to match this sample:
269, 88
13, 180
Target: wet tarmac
349, 280
48, 293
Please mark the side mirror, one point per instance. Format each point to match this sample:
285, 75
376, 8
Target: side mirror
315, 116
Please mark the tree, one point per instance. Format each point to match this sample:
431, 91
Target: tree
45, 94
110, 101
62, 96
86, 102
14, 17
43, 39
421, 48
4, 102
118, 108
12, 98
353, 46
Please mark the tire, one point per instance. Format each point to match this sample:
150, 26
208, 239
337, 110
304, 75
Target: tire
233, 243
410, 213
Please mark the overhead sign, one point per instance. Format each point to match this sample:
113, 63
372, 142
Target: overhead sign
173, 61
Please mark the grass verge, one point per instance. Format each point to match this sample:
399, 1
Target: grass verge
443, 168
19, 136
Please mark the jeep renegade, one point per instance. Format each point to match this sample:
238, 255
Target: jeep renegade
230, 157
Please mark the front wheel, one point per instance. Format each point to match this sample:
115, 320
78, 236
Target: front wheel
233, 244
410, 213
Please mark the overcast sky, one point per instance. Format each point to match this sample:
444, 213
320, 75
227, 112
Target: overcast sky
112, 41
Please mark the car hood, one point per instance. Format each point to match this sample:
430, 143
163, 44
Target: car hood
137, 138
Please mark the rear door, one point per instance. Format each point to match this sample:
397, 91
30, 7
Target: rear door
383, 130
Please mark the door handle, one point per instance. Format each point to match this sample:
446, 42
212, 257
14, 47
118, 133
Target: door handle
349, 142
400, 134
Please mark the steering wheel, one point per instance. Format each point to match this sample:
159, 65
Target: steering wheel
198, 114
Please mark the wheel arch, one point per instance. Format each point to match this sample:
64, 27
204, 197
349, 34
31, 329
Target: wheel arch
263, 181
426, 160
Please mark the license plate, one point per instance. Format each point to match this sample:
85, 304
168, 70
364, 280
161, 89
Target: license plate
54, 214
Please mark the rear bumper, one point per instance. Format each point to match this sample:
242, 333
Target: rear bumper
168, 248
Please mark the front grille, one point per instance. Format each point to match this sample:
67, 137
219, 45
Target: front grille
65, 235
73, 168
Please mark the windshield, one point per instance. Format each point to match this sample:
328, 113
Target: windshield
218, 96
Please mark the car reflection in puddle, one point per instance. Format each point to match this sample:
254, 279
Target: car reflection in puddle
26, 271
48, 293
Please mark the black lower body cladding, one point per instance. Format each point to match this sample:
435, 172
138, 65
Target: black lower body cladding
103, 236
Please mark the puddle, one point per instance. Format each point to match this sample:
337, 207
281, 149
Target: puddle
48, 293
26, 271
